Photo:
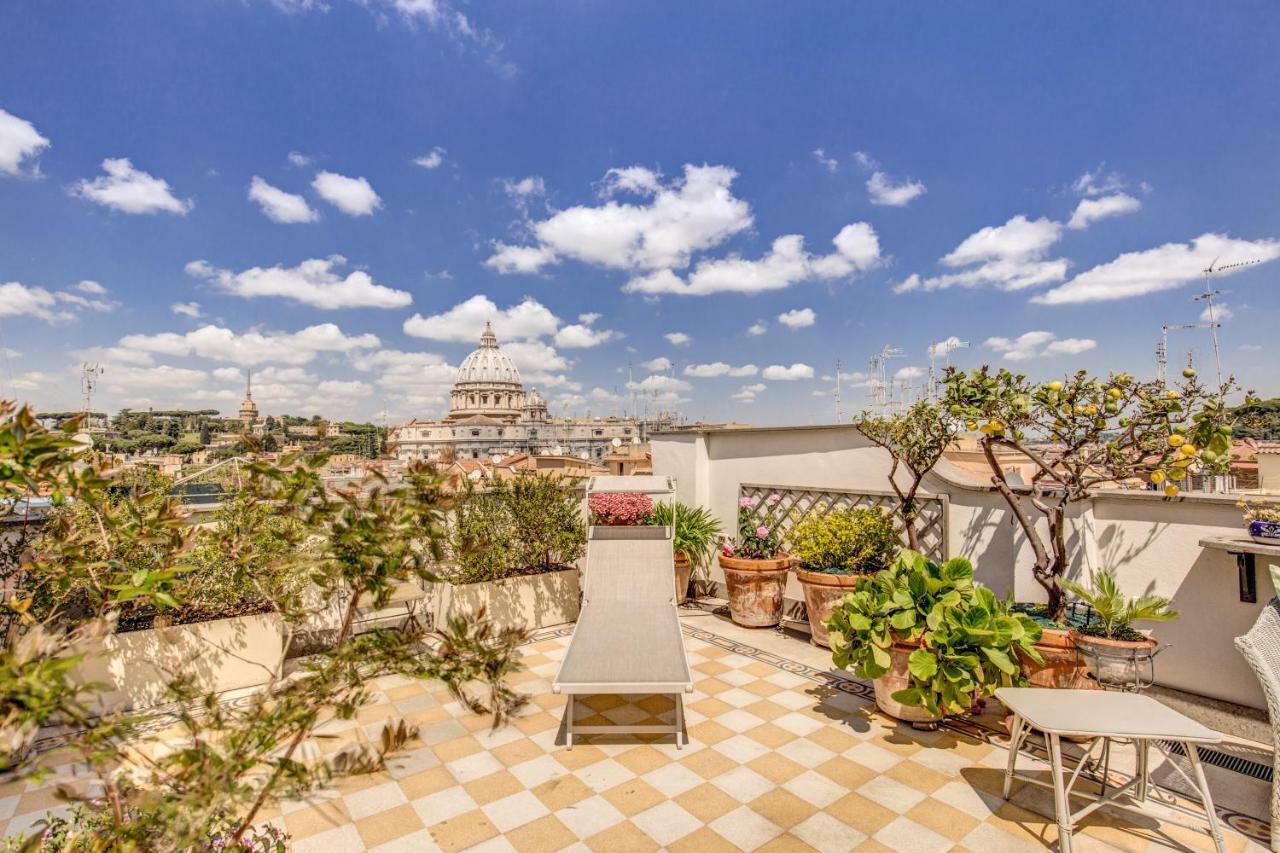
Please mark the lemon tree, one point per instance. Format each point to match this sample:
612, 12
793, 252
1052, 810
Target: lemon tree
1082, 432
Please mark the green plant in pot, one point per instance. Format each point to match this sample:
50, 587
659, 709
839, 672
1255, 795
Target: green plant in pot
694, 532
1119, 654
832, 551
755, 564
931, 639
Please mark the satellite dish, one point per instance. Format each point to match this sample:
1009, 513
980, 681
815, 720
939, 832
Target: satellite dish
584, 455
558, 450
497, 457
617, 442
635, 439
83, 441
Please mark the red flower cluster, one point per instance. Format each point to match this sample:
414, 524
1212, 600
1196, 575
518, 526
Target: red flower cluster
623, 509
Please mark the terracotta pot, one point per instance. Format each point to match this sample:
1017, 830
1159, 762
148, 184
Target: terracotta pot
1118, 661
822, 591
899, 678
1062, 668
684, 568
755, 589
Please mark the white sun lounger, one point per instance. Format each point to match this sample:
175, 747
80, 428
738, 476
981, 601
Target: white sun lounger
628, 638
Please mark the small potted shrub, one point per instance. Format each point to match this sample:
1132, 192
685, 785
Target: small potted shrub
755, 569
1116, 649
1262, 521
833, 552
931, 639
694, 534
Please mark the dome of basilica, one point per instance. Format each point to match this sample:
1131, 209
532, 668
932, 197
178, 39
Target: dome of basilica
488, 365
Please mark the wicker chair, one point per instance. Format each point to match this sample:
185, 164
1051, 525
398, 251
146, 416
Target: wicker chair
1261, 648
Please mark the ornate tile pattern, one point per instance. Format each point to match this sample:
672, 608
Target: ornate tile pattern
783, 756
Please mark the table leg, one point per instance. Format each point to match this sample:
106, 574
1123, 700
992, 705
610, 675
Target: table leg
1015, 740
1205, 799
1144, 767
1061, 805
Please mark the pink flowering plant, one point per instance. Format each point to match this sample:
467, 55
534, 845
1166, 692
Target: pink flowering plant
758, 538
620, 509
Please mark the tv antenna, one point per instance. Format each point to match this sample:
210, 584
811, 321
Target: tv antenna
839, 407
1207, 299
879, 378
944, 349
89, 373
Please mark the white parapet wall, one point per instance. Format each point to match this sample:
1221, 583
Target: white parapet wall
1151, 543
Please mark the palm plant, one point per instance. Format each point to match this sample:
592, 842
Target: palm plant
694, 530
1114, 614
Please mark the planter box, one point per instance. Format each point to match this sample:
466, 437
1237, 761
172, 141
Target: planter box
634, 532
222, 655
531, 601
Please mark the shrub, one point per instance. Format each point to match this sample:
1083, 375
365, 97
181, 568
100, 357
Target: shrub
1113, 614
967, 638
756, 540
505, 528
694, 530
859, 540
620, 509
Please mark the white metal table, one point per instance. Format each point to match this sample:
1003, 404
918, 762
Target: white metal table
1104, 716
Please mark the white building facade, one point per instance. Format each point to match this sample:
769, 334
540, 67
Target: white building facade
490, 414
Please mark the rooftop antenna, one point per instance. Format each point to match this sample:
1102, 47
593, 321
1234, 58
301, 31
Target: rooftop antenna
839, 406
1207, 299
944, 349
879, 371
89, 373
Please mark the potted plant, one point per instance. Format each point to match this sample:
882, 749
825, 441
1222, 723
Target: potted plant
694, 534
755, 569
1108, 640
514, 545
833, 551
1262, 521
931, 639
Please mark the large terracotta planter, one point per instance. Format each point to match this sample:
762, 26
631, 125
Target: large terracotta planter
684, 568
822, 592
755, 589
1062, 668
899, 678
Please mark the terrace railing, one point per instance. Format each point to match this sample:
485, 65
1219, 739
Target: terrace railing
796, 503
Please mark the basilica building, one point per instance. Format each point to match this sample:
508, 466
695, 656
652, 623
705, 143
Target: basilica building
490, 414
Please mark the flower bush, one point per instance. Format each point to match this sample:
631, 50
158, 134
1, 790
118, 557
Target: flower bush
620, 509
756, 540
1259, 512
856, 540
507, 528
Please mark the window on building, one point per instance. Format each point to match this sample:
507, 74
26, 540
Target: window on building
476, 433
599, 432
626, 430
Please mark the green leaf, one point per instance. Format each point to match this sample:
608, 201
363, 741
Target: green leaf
922, 664
909, 696
1000, 659
903, 620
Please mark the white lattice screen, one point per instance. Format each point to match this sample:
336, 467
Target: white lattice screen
796, 503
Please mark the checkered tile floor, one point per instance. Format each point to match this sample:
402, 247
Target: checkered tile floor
777, 761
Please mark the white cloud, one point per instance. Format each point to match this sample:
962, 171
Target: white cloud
217, 343
583, 334
312, 282
91, 287
280, 206
689, 214
677, 339
906, 374
17, 299
525, 188
882, 190
465, 321
19, 141
353, 196
1099, 182
659, 382
719, 368
1038, 344
130, 190
658, 365
345, 388
798, 318
1221, 313
944, 348
186, 309
433, 159
780, 373
757, 328
787, 262
1009, 256
747, 393
1090, 210
828, 163
1162, 268
299, 159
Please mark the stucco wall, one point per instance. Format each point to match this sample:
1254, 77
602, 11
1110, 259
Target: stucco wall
1153, 544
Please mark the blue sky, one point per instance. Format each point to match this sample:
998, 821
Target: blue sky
1044, 184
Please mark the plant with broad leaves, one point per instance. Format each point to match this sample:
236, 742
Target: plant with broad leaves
1085, 432
915, 440
966, 641
1113, 613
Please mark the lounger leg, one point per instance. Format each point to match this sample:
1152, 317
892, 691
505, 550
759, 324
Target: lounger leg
1015, 740
680, 722
1205, 799
1061, 805
568, 721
